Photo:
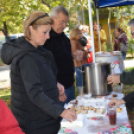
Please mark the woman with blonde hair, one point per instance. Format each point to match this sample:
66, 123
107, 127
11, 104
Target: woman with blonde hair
80, 55
89, 45
35, 95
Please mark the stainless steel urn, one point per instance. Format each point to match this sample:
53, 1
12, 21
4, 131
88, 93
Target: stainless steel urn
95, 78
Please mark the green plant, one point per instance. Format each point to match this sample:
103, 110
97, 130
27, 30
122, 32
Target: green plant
131, 47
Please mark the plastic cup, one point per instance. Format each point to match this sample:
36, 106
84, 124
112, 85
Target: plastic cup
112, 115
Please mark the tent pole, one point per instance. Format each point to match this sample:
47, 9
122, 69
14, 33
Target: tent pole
91, 28
97, 14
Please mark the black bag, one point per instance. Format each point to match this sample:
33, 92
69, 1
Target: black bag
83, 41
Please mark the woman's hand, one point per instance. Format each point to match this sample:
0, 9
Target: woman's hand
62, 95
69, 115
113, 79
116, 102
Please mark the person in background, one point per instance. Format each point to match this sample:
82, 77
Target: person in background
116, 45
88, 46
60, 46
122, 41
103, 38
126, 78
80, 27
84, 36
81, 55
8, 123
35, 95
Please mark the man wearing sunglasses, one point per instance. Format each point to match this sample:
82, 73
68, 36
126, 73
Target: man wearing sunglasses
126, 78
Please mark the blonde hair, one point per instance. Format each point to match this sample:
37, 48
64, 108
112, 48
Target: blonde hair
46, 20
85, 28
73, 33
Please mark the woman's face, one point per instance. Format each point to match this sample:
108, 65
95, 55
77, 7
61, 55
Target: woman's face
117, 33
40, 35
79, 34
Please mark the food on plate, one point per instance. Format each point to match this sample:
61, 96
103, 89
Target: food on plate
102, 110
74, 102
91, 108
85, 111
74, 108
85, 108
97, 110
79, 107
114, 95
119, 110
78, 111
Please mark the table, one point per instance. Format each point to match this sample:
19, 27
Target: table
100, 124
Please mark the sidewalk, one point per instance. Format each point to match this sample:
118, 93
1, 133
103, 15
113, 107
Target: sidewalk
129, 63
4, 77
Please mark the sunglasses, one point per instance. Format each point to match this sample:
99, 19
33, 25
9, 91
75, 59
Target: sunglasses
132, 33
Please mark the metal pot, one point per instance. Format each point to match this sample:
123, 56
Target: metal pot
95, 78
107, 57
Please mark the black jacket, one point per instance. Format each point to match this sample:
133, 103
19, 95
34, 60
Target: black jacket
34, 100
128, 78
60, 46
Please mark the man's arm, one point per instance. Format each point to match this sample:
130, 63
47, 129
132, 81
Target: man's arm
127, 77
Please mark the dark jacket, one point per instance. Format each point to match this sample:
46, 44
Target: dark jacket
128, 78
34, 100
116, 45
124, 44
60, 46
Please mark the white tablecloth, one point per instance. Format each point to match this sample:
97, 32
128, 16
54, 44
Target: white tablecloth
100, 124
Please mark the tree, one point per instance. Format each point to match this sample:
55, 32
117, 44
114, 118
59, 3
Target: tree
124, 14
13, 13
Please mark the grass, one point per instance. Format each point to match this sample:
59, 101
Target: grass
5, 95
1, 63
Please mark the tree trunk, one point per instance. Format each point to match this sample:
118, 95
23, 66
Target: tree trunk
45, 3
5, 31
109, 28
82, 13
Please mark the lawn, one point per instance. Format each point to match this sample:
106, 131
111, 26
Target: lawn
5, 95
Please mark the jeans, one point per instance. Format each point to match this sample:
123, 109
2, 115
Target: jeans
70, 93
123, 55
78, 76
